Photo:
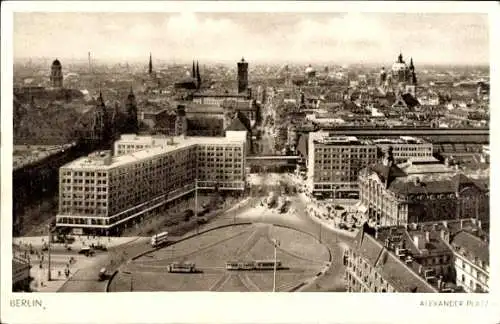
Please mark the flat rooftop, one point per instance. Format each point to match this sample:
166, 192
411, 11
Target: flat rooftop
332, 139
162, 145
400, 140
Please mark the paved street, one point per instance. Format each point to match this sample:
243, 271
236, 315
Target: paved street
84, 278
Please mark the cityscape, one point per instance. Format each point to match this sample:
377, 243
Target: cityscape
289, 159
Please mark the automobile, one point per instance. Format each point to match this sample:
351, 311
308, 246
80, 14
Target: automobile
86, 251
100, 247
202, 220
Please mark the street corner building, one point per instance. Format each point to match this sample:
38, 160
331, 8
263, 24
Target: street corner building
441, 257
106, 191
420, 190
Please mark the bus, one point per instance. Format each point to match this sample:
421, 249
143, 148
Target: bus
178, 267
159, 239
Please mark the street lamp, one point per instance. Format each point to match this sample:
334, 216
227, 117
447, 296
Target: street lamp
49, 278
276, 243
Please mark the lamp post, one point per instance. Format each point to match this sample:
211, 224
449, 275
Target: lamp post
49, 278
320, 229
276, 244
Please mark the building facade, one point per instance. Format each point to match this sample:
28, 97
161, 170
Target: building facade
416, 258
102, 192
21, 276
417, 193
405, 147
472, 265
334, 163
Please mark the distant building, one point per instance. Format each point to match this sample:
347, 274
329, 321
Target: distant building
100, 127
248, 107
56, 75
215, 98
131, 122
242, 76
419, 191
101, 193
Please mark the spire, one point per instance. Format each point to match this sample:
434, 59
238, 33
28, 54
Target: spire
198, 76
131, 93
400, 57
193, 73
411, 64
150, 63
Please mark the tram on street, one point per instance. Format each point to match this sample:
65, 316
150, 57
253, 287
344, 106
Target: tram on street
159, 239
253, 265
178, 267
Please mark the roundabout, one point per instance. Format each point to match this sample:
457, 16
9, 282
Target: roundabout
303, 259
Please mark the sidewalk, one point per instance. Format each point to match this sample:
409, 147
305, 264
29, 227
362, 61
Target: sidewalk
313, 211
80, 241
59, 264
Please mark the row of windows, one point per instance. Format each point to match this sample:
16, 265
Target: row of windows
343, 149
68, 173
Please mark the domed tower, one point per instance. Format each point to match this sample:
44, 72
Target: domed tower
56, 76
131, 122
400, 71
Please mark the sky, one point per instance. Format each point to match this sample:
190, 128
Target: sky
343, 38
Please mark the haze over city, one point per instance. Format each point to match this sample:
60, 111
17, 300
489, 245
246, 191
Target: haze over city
343, 38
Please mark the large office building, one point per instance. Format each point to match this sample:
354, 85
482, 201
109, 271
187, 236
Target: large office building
419, 258
334, 161
99, 193
420, 191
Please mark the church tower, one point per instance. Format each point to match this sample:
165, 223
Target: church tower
180, 121
150, 70
242, 76
100, 123
198, 76
131, 122
56, 76
193, 72
412, 80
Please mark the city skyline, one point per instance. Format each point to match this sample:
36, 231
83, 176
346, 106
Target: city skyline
343, 38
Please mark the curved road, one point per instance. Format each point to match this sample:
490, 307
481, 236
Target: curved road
85, 280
